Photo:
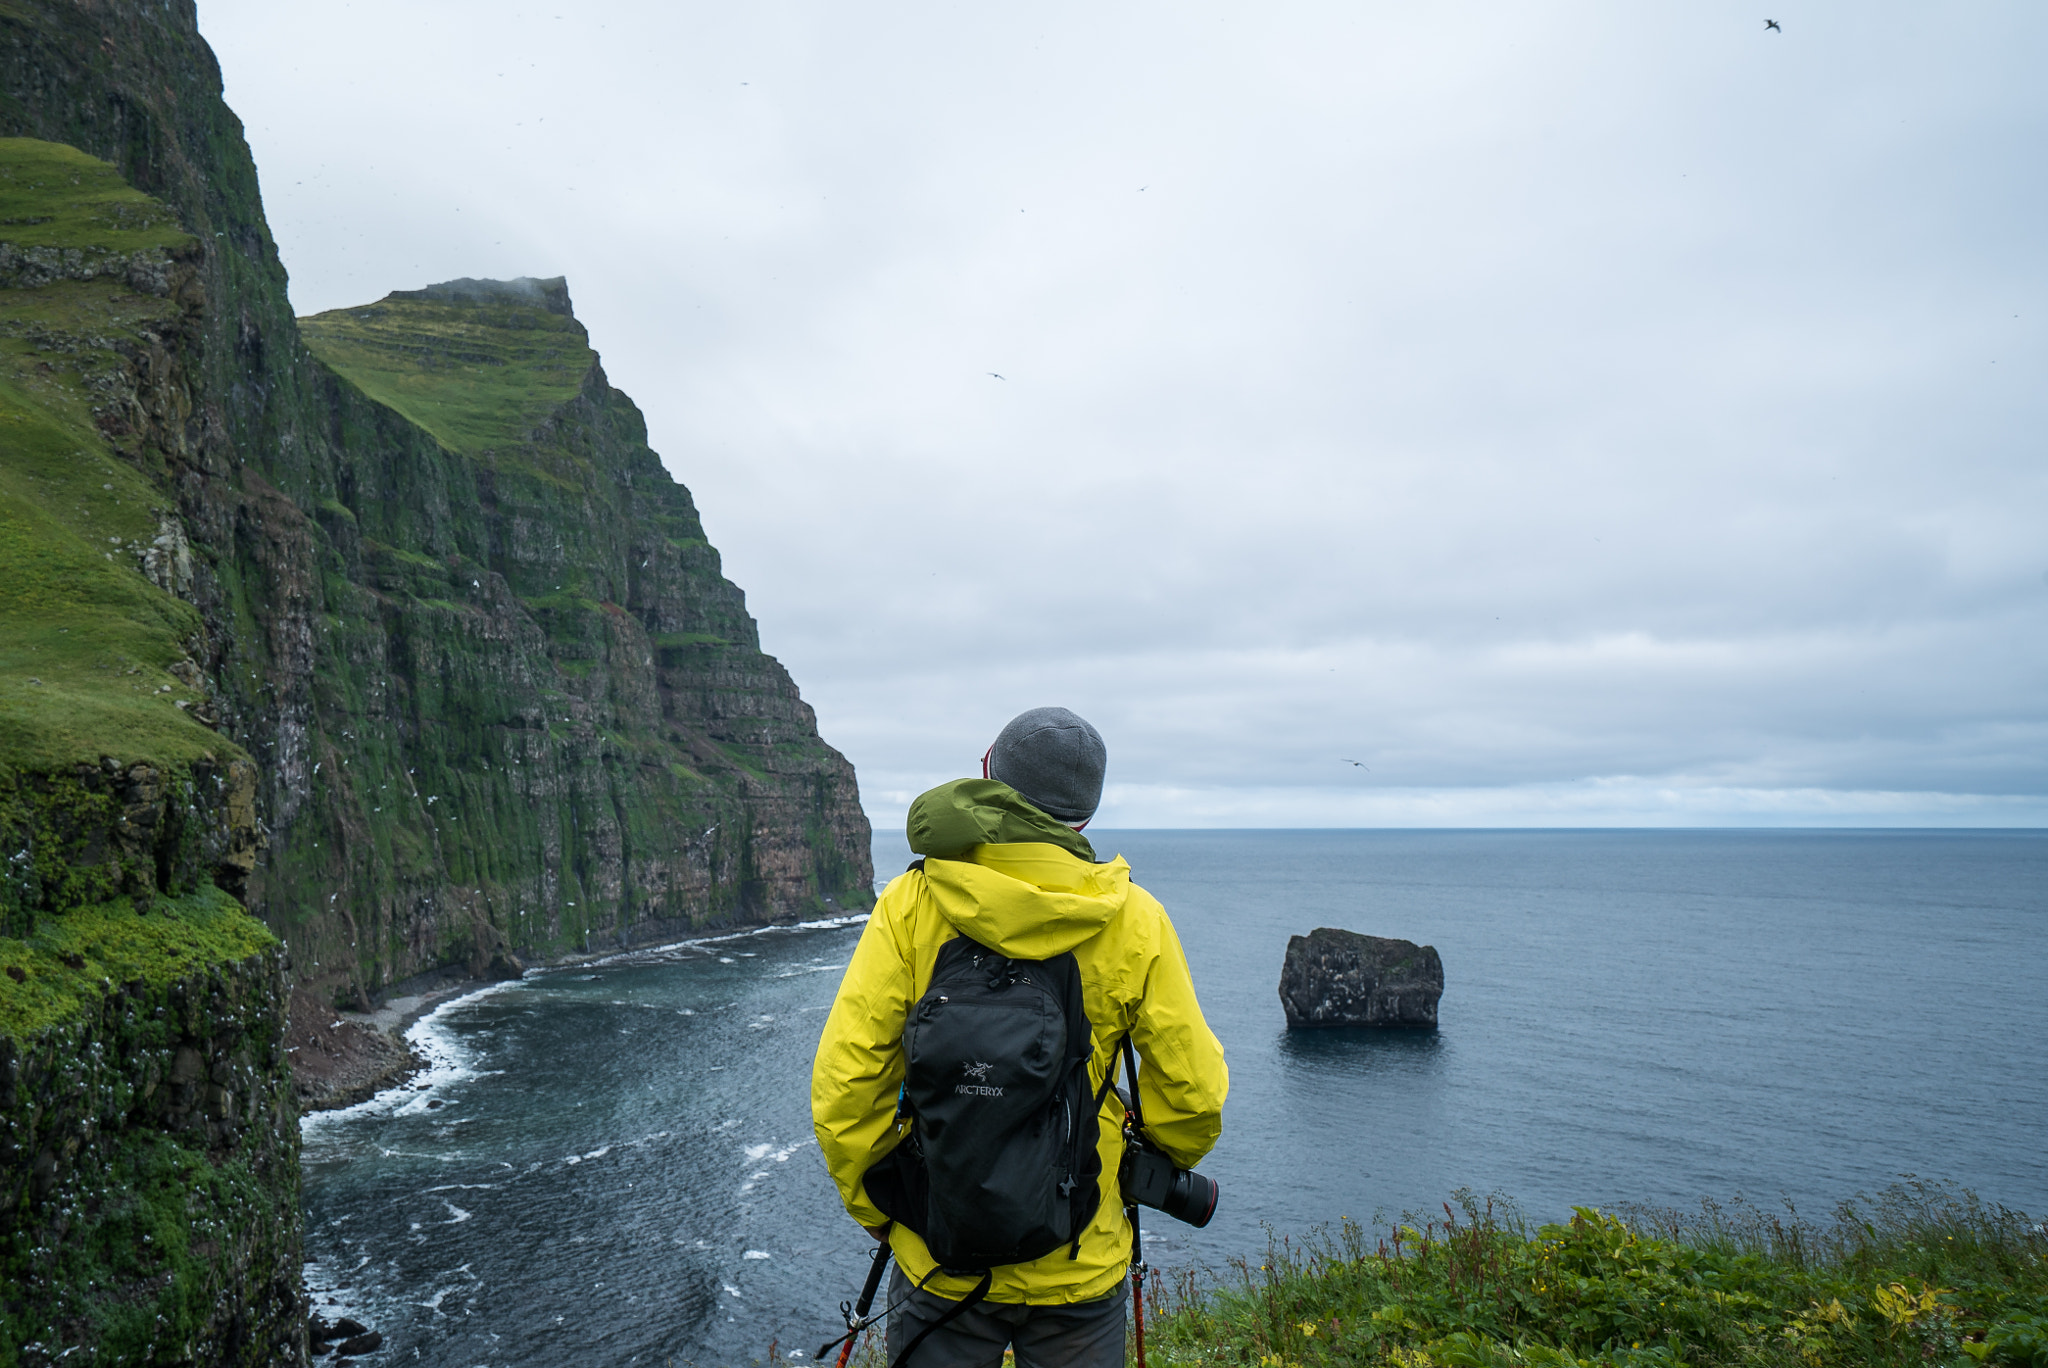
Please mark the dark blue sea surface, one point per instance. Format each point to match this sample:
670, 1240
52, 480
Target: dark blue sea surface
620, 1166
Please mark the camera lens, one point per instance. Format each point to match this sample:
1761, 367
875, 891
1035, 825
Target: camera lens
1191, 1199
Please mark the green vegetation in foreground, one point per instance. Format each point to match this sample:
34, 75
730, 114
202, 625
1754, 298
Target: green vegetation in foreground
1917, 1276
480, 374
52, 195
86, 640
73, 959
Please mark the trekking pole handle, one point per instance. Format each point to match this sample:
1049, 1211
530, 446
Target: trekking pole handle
876, 1263
856, 1313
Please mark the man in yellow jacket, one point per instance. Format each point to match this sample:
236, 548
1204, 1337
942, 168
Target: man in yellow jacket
1005, 864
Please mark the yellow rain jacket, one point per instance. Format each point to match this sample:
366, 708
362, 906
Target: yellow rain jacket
1029, 899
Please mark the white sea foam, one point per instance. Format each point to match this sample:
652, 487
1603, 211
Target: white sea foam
701, 944
323, 1282
757, 1254
756, 1153
449, 1061
456, 1215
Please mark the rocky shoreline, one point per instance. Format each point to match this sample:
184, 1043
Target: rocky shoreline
340, 1058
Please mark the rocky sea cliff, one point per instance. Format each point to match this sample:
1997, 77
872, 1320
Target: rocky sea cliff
334, 653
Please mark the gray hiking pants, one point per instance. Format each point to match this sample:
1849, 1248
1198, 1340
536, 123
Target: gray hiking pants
1078, 1335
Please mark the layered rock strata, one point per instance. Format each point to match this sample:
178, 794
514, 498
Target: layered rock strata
393, 629
426, 650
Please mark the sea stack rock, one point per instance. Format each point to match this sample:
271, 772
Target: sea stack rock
1341, 978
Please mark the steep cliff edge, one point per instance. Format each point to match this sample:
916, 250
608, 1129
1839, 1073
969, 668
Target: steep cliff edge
461, 678
535, 661
148, 1137
396, 633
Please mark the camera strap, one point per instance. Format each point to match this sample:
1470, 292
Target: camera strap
1131, 1068
1108, 1082
1138, 1268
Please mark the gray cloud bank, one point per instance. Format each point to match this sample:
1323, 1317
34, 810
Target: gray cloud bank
1590, 413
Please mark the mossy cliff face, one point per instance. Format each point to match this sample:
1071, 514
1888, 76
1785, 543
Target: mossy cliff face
395, 631
149, 1157
533, 661
427, 651
112, 781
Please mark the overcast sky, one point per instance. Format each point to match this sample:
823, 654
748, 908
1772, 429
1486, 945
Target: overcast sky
1599, 412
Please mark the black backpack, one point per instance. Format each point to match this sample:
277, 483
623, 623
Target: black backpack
1001, 1165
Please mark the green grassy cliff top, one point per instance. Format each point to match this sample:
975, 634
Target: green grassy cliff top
57, 196
479, 363
86, 639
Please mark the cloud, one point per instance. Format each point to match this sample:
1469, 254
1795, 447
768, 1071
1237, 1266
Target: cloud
1584, 413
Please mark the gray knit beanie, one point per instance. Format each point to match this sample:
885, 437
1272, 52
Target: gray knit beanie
1055, 759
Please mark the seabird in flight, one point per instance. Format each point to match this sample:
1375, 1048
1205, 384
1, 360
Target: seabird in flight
1772, 24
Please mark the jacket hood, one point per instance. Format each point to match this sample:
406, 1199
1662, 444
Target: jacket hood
946, 822
1007, 875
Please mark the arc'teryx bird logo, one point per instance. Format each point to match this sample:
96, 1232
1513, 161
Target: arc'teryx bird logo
978, 1071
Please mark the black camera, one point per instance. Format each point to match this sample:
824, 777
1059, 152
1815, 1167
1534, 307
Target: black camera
1151, 1179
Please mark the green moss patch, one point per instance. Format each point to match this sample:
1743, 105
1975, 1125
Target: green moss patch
72, 959
57, 196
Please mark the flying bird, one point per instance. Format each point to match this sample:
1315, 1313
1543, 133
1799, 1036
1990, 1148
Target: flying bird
1360, 763
1772, 24
999, 377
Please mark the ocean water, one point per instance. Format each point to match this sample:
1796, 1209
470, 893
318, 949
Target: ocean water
613, 1163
